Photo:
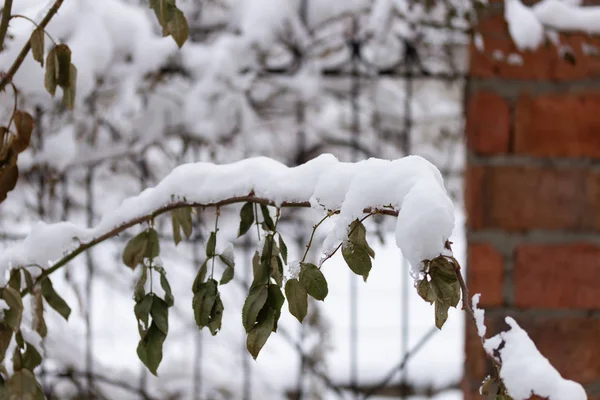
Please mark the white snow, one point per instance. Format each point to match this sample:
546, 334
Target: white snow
479, 316
527, 24
561, 15
525, 371
411, 185
524, 27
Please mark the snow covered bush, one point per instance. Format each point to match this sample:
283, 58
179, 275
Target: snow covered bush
409, 189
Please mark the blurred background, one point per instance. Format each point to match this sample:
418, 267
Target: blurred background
288, 80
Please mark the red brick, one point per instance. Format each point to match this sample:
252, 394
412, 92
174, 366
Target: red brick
545, 63
522, 198
485, 274
474, 178
488, 123
558, 125
557, 276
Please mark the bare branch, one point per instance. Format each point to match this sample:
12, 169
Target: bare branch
4, 22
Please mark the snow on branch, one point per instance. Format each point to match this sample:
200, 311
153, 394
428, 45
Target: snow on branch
524, 371
410, 186
527, 24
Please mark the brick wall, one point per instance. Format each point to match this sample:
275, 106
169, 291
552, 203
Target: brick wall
533, 200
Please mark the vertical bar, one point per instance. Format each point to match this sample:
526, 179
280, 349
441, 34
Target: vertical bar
89, 353
405, 298
198, 344
354, 94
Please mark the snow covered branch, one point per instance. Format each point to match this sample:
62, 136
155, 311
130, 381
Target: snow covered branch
528, 26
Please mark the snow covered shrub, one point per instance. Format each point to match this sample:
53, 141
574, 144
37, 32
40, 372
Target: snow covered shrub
409, 189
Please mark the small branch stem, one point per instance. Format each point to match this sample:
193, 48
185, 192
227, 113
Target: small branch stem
466, 300
256, 219
12, 116
312, 235
167, 208
212, 271
36, 25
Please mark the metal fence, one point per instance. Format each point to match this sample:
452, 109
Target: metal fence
411, 63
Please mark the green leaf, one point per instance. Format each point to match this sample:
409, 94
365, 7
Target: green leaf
181, 219
39, 323
135, 250
444, 282
149, 349
153, 244
13, 315
227, 276
284, 250
246, 218
200, 276
54, 300
267, 217
51, 74
258, 335
164, 283
441, 313
297, 299
70, 91
313, 281
142, 310
63, 57
37, 45
203, 302
216, 316
176, 227
358, 235
254, 303
275, 300
22, 385
15, 279
139, 292
277, 269
211, 245
165, 11
178, 28
160, 314
6, 333
230, 262
28, 279
425, 290
261, 270
31, 358
357, 258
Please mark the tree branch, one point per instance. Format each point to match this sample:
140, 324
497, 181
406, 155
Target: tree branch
173, 206
466, 300
6, 78
6, 13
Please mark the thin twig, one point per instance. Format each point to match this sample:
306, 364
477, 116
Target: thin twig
173, 206
6, 78
312, 235
466, 301
4, 22
36, 25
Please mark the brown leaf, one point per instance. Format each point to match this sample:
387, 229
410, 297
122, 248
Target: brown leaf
37, 45
63, 56
8, 180
24, 124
